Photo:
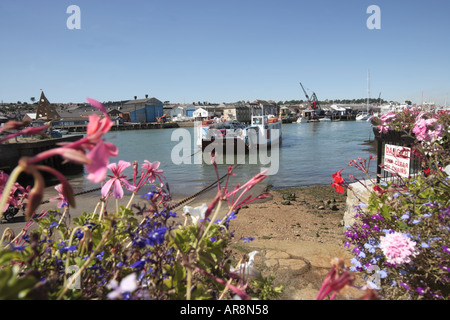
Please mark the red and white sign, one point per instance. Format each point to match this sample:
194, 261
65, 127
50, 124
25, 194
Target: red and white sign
397, 160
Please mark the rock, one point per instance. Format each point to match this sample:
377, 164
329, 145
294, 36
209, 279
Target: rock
289, 196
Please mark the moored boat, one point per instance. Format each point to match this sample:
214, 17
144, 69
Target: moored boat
221, 133
264, 131
363, 116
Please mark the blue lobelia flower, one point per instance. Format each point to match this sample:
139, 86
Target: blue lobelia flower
247, 239
54, 224
370, 247
138, 264
156, 236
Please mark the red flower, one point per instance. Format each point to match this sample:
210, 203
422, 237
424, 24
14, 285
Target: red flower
377, 188
338, 182
428, 171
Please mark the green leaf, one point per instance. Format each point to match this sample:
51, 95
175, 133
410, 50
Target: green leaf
386, 212
12, 286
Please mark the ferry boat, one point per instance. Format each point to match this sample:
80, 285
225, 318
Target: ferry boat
264, 130
221, 133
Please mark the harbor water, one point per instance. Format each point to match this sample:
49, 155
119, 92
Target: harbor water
309, 154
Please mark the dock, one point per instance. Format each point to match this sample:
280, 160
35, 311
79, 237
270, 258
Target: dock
10, 153
122, 127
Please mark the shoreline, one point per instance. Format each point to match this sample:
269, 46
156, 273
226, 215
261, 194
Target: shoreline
86, 202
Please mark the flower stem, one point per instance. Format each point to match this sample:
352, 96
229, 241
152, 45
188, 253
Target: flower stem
131, 200
189, 283
70, 243
216, 212
101, 210
12, 179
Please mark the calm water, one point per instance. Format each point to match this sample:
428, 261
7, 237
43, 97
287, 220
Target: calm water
310, 153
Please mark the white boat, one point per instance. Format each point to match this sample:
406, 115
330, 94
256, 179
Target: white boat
363, 116
264, 131
221, 133
325, 119
302, 120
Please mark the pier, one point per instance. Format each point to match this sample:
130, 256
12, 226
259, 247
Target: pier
122, 127
10, 153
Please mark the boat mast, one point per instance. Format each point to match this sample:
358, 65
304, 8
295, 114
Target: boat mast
368, 89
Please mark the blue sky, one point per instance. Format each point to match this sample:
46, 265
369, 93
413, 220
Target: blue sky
224, 51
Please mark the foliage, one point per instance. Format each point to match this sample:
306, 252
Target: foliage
401, 235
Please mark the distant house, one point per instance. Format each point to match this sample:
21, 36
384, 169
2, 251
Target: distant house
177, 113
114, 113
117, 120
214, 110
200, 114
144, 110
238, 112
189, 111
29, 117
263, 107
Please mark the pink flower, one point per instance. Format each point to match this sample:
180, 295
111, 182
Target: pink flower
97, 127
398, 248
234, 203
99, 159
338, 278
97, 105
152, 171
62, 200
427, 129
116, 181
90, 150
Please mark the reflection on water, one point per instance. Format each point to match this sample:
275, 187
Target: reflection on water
309, 154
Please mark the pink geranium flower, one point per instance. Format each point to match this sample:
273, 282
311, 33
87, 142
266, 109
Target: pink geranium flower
62, 202
152, 171
117, 180
99, 159
398, 248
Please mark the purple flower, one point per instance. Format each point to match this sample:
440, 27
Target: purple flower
446, 268
247, 239
138, 264
156, 236
68, 249
420, 291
